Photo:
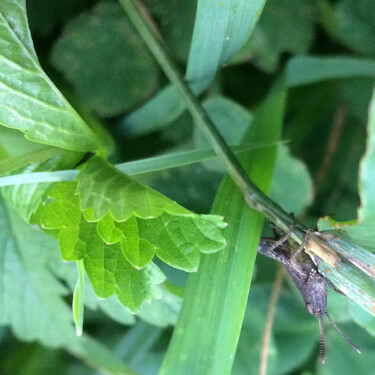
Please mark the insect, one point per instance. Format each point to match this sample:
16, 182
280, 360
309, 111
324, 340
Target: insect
305, 275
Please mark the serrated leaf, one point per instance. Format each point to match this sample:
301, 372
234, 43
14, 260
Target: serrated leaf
25, 198
114, 73
105, 189
32, 103
115, 234
31, 299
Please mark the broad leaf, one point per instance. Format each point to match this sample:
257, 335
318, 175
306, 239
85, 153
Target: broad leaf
31, 298
25, 198
31, 102
117, 225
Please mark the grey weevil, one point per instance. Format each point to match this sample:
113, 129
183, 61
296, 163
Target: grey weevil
305, 275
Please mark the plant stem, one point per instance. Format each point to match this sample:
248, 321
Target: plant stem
254, 197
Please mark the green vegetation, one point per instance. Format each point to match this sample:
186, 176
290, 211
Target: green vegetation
126, 245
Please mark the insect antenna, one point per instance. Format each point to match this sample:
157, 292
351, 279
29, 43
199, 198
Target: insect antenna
322, 348
342, 334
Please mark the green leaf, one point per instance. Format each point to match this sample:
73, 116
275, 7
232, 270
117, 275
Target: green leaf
78, 299
124, 197
14, 12
117, 225
26, 198
269, 41
221, 29
31, 298
113, 74
206, 335
33, 104
362, 231
17, 162
308, 70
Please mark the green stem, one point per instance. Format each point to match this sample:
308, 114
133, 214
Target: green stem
254, 197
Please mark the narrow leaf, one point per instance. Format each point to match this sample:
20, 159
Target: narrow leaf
221, 29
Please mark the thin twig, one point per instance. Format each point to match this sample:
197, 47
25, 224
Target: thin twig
269, 321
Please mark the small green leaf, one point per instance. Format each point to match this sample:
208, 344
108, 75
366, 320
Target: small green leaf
33, 104
78, 299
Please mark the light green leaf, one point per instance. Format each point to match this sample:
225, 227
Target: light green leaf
206, 335
363, 230
118, 237
124, 197
31, 299
26, 198
14, 12
221, 29
78, 299
112, 74
31, 102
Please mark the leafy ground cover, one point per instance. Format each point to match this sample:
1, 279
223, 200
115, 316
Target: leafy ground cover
124, 246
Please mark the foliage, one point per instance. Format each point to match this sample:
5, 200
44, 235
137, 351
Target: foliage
82, 100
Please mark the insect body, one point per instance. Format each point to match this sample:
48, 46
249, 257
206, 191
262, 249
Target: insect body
307, 279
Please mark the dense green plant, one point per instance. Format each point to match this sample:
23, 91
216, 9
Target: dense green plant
160, 250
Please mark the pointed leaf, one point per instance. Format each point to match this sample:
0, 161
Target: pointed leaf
31, 102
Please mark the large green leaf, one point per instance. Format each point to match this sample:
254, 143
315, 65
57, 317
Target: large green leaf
31, 103
31, 298
14, 12
117, 225
221, 29
206, 335
112, 74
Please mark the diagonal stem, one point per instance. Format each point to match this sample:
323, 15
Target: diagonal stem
253, 196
